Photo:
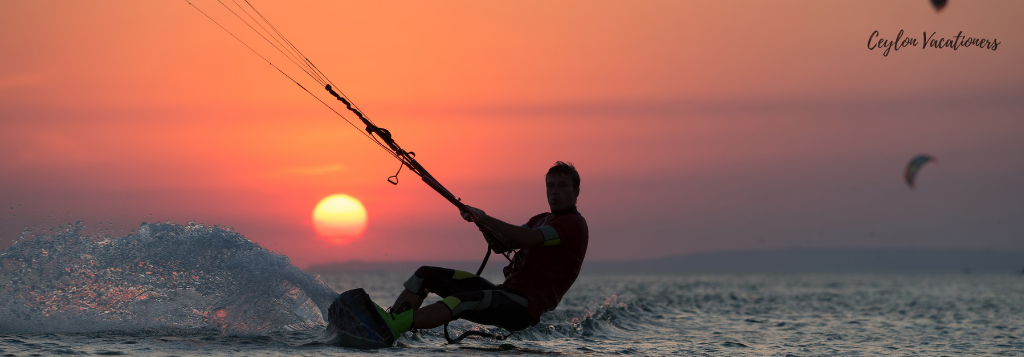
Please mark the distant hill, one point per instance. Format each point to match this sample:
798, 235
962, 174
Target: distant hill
793, 260
494, 264
807, 260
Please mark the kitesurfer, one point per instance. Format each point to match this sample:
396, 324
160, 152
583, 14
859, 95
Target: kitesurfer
551, 246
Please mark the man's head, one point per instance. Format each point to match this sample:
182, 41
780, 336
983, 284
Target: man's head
563, 186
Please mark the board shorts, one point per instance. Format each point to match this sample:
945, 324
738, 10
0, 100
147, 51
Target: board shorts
472, 298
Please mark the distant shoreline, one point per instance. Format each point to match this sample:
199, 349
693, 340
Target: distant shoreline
790, 260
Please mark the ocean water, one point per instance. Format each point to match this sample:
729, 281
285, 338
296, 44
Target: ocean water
198, 290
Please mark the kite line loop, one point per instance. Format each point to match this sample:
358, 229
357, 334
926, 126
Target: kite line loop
394, 178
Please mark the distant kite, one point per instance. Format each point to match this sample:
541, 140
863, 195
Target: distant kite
939, 4
913, 167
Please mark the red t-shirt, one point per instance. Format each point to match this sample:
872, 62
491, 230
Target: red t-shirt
545, 273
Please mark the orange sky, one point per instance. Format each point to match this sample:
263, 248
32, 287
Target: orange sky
697, 126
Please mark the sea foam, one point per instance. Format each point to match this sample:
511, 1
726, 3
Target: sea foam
164, 276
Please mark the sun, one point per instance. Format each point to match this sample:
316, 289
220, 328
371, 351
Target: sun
339, 219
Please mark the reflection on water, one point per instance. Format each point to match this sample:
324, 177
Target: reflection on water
798, 314
172, 289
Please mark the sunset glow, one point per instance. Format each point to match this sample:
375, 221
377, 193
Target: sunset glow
696, 126
339, 219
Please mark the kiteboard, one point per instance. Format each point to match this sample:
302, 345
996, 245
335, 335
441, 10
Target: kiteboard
355, 323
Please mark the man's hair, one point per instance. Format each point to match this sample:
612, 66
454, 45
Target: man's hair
562, 168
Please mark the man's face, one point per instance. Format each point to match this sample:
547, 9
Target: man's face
561, 194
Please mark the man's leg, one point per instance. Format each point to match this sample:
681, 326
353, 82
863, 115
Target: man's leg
498, 307
431, 316
440, 281
407, 297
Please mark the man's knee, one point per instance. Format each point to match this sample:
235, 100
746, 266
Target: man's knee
416, 282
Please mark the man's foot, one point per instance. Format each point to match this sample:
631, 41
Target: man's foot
397, 322
356, 323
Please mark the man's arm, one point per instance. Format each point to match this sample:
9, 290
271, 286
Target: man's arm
510, 236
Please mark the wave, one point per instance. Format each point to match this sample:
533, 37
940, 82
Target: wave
164, 276
612, 319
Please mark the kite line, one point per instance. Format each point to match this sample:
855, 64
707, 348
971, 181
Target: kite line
381, 136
